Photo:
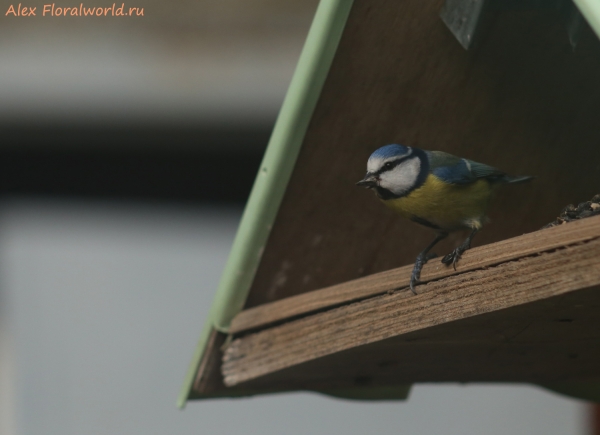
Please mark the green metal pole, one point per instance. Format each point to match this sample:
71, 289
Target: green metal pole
591, 11
274, 173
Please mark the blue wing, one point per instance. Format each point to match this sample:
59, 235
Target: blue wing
454, 170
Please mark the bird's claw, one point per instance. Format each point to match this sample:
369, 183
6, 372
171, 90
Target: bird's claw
414, 280
416, 273
453, 257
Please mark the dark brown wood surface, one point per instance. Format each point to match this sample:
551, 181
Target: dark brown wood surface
477, 258
533, 319
208, 379
523, 101
502, 346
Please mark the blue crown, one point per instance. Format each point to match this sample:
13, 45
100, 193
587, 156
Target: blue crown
389, 151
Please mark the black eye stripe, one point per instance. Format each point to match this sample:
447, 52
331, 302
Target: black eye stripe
394, 164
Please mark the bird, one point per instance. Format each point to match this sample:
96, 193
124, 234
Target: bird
435, 189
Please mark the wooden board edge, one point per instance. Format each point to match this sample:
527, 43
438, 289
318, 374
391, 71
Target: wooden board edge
477, 258
451, 299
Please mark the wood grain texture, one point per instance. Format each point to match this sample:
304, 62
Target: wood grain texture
208, 380
527, 281
484, 256
549, 341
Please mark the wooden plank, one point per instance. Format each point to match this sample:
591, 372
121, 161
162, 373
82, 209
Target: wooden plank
548, 342
477, 258
208, 379
551, 342
470, 294
209, 382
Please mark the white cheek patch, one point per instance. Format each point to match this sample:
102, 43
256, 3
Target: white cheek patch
402, 178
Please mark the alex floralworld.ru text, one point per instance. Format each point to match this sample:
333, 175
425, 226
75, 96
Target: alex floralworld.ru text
52, 10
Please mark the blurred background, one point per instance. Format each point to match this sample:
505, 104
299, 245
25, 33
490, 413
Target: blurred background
129, 146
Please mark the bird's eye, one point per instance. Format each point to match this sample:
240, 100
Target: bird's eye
388, 165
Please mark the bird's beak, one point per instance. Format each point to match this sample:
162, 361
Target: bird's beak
370, 181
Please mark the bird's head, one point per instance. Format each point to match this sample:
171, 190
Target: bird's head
393, 168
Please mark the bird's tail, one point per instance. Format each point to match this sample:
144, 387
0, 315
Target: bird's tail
517, 179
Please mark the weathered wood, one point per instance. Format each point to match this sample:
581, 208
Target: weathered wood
484, 256
209, 382
507, 285
548, 342
208, 379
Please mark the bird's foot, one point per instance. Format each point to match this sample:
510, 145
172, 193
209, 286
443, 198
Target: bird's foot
416, 273
454, 256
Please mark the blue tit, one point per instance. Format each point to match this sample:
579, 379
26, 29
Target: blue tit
434, 189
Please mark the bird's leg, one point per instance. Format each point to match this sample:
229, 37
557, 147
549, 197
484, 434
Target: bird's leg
454, 256
422, 258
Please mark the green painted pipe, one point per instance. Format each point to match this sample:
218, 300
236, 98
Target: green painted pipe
591, 11
274, 173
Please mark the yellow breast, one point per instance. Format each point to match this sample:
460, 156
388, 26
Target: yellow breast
447, 206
